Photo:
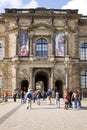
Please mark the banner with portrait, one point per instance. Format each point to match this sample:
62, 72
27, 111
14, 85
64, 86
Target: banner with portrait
23, 44
59, 44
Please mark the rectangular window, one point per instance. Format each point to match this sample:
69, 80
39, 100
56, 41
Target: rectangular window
84, 79
83, 51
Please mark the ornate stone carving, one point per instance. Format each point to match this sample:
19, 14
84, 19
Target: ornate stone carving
24, 73
58, 74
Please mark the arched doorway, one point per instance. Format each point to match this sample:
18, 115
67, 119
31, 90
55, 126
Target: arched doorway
43, 78
24, 85
59, 87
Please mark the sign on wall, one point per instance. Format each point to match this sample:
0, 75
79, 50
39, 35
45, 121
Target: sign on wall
59, 44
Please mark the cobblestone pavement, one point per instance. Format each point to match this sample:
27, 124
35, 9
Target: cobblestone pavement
14, 116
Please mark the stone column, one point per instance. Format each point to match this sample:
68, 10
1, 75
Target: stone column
16, 44
52, 43
6, 38
6, 45
31, 46
67, 63
14, 76
50, 47
52, 85
66, 44
49, 83
31, 78
34, 49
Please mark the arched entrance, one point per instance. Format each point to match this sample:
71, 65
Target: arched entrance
59, 87
42, 77
24, 85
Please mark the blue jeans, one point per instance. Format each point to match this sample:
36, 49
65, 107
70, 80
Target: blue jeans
76, 104
57, 103
5, 98
22, 100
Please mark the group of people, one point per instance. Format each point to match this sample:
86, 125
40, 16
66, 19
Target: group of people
35, 96
71, 98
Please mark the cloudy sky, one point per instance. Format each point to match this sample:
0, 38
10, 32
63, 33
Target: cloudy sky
81, 5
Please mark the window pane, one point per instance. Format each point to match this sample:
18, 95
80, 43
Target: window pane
83, 51
41, 47
84, 79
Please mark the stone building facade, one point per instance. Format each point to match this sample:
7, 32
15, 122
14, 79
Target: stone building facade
42, 45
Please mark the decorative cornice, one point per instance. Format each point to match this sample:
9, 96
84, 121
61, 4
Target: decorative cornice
83, 20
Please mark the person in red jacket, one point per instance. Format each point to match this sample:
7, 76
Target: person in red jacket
5, 96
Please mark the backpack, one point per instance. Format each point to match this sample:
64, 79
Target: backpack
38, 95
29, 95
49, 93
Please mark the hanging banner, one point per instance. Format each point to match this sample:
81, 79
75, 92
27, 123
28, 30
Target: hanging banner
23, 44
59, 44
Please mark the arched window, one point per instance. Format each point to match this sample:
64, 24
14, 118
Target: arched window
84, 79
0, 51
83, 51
41, 47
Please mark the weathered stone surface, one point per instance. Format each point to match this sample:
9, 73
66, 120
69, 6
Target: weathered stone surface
41, 24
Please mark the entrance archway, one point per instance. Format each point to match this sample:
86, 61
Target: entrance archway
42, 77
59, 87
24, 85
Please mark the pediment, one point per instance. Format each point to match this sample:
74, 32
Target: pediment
41, 26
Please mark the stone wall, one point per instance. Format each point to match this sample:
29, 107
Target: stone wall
41, 25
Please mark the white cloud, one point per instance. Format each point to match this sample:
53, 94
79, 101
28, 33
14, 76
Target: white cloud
10, 3
31, 4
81, 5
17, 4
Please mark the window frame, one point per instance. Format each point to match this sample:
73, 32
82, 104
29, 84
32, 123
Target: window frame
84, 79
83, 51
41, 47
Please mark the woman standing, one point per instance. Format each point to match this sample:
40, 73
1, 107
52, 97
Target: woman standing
15, 96
57, 99
66, 99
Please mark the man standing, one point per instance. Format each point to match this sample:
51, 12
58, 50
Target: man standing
49, 95
57, 98
29, 99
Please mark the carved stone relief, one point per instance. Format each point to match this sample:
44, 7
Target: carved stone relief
58, 74
24, 73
